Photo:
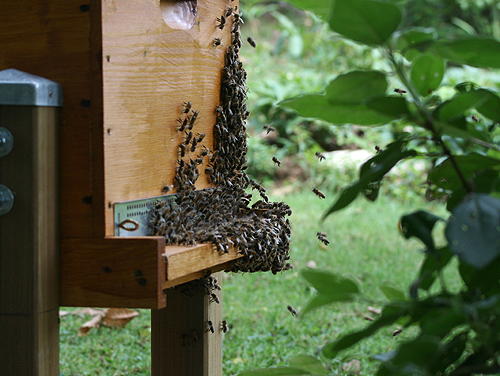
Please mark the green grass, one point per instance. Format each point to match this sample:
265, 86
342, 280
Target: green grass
364, 244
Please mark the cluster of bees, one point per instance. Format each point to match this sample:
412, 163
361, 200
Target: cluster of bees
223, 215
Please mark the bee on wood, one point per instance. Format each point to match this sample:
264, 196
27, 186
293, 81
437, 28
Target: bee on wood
194, 143
223, 326
198, 161
210, 327
192, 119
251, 42
318, 193
214, 298
188, 138
222, 22
217, 42
400, 91
319, 156
183, 124
229, 11
322, 237
166, 188
277, 161
186, 107
292, 310
200, 137
182, 150
269, 128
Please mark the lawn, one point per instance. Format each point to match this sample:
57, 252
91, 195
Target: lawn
364, 244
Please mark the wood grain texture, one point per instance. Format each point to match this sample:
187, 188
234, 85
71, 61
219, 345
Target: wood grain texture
181, 345
29, 261
51, 39
149, 70
113, 272
184, 260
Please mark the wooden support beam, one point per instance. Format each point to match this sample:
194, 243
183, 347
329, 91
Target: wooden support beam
29, 277
181, 342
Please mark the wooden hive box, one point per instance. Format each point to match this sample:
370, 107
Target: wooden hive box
126, 67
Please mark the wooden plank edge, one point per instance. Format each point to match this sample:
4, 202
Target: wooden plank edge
196, 275
185, 260
120, 272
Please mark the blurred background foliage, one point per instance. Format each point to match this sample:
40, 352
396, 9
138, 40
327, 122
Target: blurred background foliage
297, 53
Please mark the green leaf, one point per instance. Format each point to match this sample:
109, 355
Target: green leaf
392, 293
474, 51
427, 73
329, 284
440, 322
485, 101
275, 371
473, 231
371, 173
356, 87
420, 224
413, 37
390, 314
322, 8
310, 364
317, 106
434, 262
320, 300
449, 353
394, 107
366, 21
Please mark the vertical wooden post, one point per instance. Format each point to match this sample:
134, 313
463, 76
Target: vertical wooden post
29, 278
181, 342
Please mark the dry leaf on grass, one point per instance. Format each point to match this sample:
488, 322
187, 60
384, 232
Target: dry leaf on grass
116, 317
92, 323
64, 313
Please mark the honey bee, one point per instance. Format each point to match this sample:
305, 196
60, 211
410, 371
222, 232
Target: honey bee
277, 161
222, 22
194, 143
188, 138
200, 137
217, 42
251, 42
400, 91
192, 119
166, 188
292, 310
186, 107
210, 327
269, 128
397, 332
323, 238
475, 118
182, 150
183, 124
214, 298
319, 156
318, 193
223, 326
229, 11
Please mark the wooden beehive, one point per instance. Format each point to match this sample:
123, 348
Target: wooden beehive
125, 67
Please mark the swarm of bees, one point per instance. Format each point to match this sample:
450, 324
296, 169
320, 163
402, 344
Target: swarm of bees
222, 215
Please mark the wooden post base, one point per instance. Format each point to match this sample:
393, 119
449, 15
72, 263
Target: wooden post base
182, 343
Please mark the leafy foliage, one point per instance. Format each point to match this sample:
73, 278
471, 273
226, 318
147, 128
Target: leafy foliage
458, 332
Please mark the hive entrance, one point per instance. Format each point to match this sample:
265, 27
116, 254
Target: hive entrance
179, 14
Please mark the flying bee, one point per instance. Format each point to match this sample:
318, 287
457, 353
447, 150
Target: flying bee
400, 91
186, 107
223, 326
269, 128
210, 327
475, 118
318, 193
322, 237
397, 332
222, 22
319, 156
277, 161
251, 42
292, 310
214, 298
217, 42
